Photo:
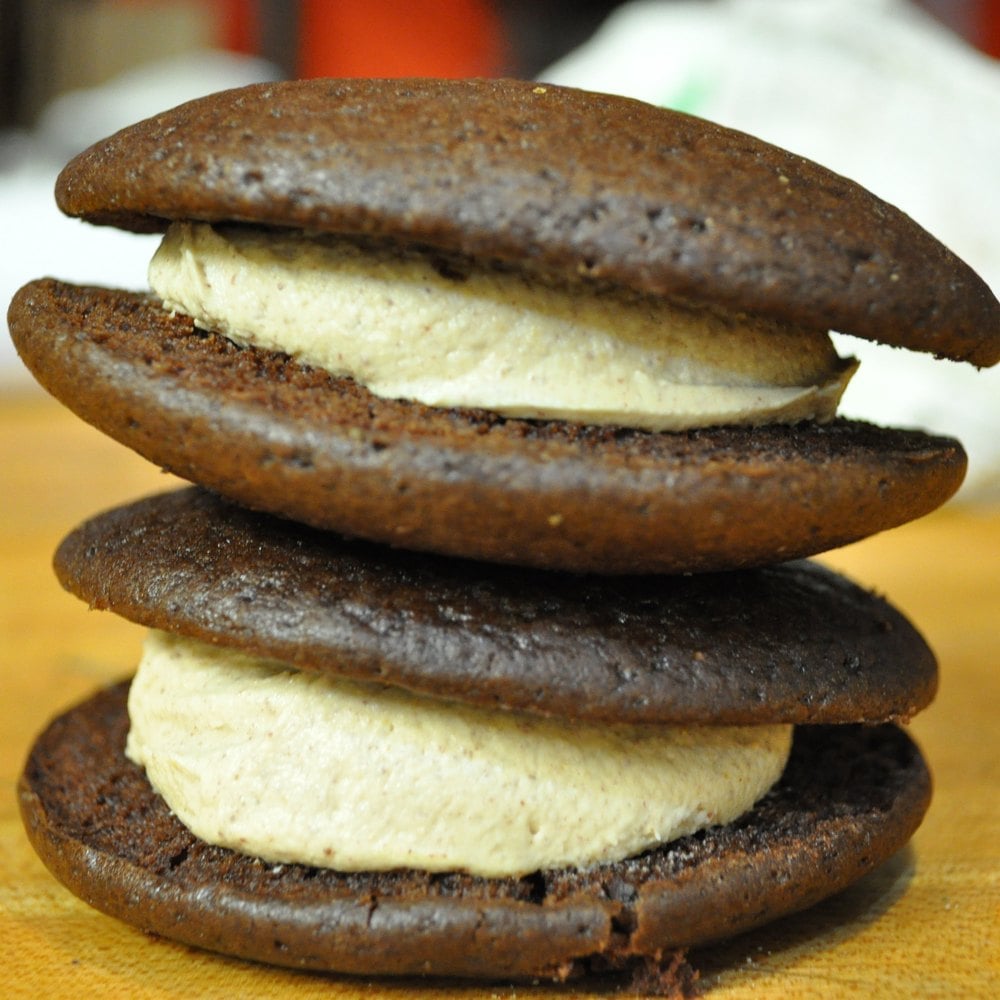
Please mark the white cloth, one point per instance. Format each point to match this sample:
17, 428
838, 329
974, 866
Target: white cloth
874, 89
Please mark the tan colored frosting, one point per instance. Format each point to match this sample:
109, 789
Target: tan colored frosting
406, 326
296, 767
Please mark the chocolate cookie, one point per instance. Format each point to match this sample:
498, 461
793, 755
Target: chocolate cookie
271, 434
850, 797
565, 182
793, 643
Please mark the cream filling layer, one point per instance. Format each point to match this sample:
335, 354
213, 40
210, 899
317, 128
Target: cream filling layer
295, 767
408, 326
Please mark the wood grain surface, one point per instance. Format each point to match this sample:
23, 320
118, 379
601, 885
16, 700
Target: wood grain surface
927, 924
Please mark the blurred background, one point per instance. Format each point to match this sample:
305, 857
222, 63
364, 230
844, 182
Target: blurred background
903, 96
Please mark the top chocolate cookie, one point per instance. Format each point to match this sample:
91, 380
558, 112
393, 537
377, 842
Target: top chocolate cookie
559, 181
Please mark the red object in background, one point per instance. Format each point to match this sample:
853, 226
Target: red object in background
451, 38
988, 27
238, 23
394, 38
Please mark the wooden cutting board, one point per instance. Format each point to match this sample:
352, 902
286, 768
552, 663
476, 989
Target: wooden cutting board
927, 924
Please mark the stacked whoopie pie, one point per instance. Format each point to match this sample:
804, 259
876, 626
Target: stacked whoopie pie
477, 647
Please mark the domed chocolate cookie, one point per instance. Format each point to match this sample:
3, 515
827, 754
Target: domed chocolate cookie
570, 183
794, 643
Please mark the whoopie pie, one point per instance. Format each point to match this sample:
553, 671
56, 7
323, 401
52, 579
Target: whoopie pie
485, 189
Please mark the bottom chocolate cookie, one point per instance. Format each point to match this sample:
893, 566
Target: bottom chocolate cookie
850, 797
274, 435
